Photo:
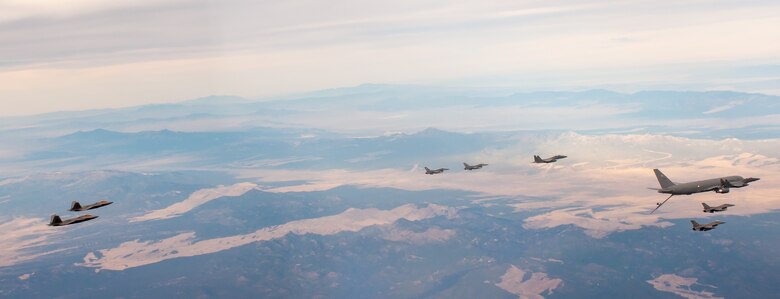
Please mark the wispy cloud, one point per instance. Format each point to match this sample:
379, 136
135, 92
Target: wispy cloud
596, 224
514, 281
682, 286
187, 49
24, 239
469, 119
138, 253
729, 105
26, 276
14, 10
196, 199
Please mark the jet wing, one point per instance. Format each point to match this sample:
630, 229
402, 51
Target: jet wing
736, 184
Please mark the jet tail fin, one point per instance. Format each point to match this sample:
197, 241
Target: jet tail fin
537, 159
55, 219
426, 169
662, 179
706, 206
695, 224
466, 164
75, 205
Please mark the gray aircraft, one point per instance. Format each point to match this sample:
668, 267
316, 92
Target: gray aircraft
57, 221
720, 208
719, 185
466, 166
705, 227
435, 171
552, 159
75, 206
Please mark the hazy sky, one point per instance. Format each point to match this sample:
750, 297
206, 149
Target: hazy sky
77, 54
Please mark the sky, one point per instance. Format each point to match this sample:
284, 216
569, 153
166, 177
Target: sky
86, 54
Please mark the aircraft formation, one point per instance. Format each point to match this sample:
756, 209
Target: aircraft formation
75, 206
466, 166
718, 185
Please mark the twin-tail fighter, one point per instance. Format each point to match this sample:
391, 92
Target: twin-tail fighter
57, 221
718, 185
75, 206
720, 208
434, 171
705, 227
466, 166
552, 159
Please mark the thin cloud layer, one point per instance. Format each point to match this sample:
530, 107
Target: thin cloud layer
682, 286
597, 224
534, 287
186, 49
730, 105
195, 199
14, 10
21, 240
139, 253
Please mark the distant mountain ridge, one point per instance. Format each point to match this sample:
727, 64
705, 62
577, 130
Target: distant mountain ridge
382, 95
375, 108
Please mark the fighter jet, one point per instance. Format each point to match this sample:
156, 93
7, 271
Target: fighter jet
434, 171
719, 185
720, 208
466, 166
75, 206
705, 227
552, 159
57, 221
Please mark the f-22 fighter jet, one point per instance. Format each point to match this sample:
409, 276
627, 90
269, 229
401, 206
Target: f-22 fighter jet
434, 171
57, 221
466, 166
720, 208
705, 227
75, 206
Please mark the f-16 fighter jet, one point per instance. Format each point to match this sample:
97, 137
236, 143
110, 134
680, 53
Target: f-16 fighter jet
57, 221
552, 159
719, 185
705, 227
720, 208
75, 206
466, 166
434, 171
